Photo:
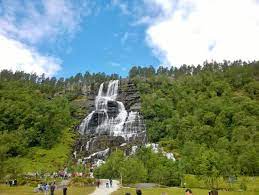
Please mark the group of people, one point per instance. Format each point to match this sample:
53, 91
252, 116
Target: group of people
12, 182
46, 188
43, 187
108, 184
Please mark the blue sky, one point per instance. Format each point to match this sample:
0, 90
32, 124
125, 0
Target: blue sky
107, 42
63, 37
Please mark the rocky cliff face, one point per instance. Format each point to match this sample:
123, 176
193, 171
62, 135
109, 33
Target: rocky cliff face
128, 94
114, 121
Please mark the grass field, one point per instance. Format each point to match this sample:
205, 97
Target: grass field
27, 190
176, 191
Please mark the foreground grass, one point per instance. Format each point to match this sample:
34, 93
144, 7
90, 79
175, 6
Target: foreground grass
27, 190
252, 183
176, 191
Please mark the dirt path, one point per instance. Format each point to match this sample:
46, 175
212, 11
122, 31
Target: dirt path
102, 190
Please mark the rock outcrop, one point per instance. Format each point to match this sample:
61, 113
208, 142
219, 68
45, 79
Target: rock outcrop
114, 121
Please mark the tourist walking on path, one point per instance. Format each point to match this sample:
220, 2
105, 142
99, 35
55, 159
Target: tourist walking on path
107, 184
110, 182
98, 183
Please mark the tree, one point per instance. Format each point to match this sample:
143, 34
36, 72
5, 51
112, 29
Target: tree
133, 171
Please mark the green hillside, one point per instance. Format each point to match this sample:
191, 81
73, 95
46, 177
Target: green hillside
207, 116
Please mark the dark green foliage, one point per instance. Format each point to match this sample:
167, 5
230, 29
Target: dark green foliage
160, 169
29, 119
207, 116
145, 166
37, 118
129, 169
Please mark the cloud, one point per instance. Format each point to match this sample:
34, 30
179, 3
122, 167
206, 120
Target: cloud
124, 37
115, 64
190, 32
122, 5
35, 21
118, 65
27, 25
17, 56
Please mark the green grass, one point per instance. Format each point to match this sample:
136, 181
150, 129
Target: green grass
252, 183
27, 190
176, 191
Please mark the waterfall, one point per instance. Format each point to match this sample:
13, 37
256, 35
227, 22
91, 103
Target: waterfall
110, 116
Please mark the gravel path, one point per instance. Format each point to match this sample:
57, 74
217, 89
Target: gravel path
102, 190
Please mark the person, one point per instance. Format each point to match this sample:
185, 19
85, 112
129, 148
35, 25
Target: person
188, 192
213, 192
138, 192
40, 187
98, 183
65, 190
110, 182
10, 183
107, 184
52, 188
15, 182
46, 188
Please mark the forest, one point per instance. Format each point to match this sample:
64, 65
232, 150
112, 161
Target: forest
38, 120
206, 115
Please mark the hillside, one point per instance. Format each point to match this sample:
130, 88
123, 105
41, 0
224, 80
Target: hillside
207, 116
38, 116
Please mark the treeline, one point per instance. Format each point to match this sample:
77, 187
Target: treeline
207, 118
174, 72
51, 85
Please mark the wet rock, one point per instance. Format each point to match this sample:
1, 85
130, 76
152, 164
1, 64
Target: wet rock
97, 135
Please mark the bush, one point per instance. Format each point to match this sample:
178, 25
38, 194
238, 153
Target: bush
82, 181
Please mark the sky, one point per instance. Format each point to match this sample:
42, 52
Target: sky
64, 37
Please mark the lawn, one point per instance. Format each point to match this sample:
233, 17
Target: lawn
176, 191
27, 190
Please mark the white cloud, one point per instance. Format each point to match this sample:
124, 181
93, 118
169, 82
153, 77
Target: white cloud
35, 21
115, 64
190, 32
25, 25
17, 56
123, 6
125, 37
118, 65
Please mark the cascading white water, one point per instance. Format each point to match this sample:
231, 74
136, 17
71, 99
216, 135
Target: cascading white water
110, 115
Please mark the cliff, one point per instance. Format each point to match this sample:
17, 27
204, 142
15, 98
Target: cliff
113, 121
